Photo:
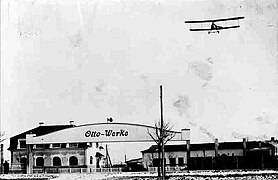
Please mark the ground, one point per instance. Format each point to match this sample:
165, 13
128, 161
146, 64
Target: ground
193, 175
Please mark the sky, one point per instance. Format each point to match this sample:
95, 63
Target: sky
89, 60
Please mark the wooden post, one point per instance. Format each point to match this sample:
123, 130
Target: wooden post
29, 146
204, 158
188, 154
86, 159
236, 162
29, 159
159, 160
186, 136
262, 160
244, 146
272, 141
162, 136
244, 153
216, 147
216, 153
2, 158
262, 155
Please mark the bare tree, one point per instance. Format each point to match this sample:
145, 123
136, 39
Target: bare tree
172, 155
161, 135
2, 137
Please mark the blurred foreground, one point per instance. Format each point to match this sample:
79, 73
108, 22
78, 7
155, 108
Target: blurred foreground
192, 175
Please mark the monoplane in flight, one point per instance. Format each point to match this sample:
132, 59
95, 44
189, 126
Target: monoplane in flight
213, 28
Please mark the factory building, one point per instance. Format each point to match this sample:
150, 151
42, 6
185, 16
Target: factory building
57, 156
71, 148
224, 155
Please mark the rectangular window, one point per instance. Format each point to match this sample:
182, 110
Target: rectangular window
56, 145
156, 162
63, 145
22, 144
181, 161
91, 159
172, 161
39, 146
73, 145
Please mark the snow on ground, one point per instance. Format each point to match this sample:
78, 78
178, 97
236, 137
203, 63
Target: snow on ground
28, 176
258, 175
193, 175
91, 176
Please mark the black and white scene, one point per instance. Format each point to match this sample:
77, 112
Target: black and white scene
139, 90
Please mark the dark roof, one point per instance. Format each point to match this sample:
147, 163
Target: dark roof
208, 146
134, 160
39, 131
167, 148
98, 154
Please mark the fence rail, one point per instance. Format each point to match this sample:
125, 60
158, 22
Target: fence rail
92, 170
168, 168
18, 169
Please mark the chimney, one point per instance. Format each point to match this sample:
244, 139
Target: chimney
71, 122
244, 146
216, 147
41, 123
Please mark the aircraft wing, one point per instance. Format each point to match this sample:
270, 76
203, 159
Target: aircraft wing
199, 29
215, 20
229, 27
208, 29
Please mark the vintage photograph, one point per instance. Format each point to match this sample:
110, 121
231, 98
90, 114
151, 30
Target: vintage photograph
139, 89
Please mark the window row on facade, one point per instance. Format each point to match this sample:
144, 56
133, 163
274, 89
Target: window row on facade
172, 162
56, 161
22, 145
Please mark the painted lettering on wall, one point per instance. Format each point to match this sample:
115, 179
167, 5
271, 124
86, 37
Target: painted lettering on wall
107, 133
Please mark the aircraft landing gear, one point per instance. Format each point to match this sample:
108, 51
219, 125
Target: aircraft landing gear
213, 32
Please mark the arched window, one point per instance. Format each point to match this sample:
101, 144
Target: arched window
73, 161
39, 161
23, 160
56, 161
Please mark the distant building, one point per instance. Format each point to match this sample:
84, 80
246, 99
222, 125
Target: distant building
54, 157
135, 165
225, 155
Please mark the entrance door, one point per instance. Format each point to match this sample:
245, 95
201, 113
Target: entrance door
23, 164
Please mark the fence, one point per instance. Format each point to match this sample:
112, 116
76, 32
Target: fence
260, 161
168, 168
59, 170
103, 170
233, 162
18, 169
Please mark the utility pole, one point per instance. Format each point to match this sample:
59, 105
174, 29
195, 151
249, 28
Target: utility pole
162, 136
108, 160
1, 158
